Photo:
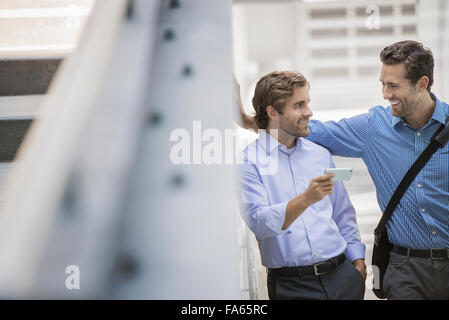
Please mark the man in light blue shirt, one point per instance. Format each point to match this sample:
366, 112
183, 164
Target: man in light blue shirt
389, 140
305, 224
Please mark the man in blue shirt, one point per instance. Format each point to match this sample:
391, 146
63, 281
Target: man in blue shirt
304, 223
389, 140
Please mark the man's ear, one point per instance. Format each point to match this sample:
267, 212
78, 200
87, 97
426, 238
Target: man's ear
272, 113
422, 83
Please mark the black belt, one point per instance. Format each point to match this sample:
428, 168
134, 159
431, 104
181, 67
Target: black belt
429, 253
312, 270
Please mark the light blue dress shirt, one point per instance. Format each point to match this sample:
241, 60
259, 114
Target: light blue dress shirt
389, 147
271, 176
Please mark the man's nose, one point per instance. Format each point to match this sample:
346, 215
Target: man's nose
308, 112
387, 93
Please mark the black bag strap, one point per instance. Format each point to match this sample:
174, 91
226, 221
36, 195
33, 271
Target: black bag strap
439, 140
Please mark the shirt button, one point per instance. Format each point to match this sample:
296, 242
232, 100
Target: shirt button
434, 232
423, 210
419, 186
418, 134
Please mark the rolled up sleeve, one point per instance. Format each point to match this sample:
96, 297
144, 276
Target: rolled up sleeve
262, 217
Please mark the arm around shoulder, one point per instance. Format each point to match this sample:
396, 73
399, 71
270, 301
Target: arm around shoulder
346, 137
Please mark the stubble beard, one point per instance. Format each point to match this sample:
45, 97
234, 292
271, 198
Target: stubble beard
293, 130
408, 108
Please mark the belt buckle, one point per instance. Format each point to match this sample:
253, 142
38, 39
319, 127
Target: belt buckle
439, 258
315, 268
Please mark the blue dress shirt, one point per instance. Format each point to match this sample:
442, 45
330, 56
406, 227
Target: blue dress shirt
389, 147
271, 176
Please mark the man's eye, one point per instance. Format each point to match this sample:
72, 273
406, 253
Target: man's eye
390, 85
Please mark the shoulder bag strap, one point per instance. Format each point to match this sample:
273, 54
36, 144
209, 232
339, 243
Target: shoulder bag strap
438, 140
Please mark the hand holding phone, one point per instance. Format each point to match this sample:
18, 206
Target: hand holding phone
318, 188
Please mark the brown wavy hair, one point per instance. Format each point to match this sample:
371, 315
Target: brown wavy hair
274, 89
418, 61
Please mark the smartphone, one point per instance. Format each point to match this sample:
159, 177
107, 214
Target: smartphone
341, 174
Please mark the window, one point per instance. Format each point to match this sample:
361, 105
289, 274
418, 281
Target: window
328, 33
41, 25
327, 13
408, 9
330, 72
330, 53
382, 31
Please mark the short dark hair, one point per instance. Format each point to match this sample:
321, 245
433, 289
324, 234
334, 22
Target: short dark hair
418, 61
273, 90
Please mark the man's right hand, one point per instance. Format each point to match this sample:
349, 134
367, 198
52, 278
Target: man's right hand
319, 187
244, 120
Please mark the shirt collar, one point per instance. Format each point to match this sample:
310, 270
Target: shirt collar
438, 114
269, 143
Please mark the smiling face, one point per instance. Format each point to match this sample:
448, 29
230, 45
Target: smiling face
295, 116
400, 93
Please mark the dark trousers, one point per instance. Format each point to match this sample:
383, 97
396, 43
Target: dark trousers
343, 283
409, 278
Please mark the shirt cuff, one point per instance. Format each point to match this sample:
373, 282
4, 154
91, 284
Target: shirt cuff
355, 251
275, 220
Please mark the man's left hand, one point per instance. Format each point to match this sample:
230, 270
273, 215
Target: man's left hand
360, 265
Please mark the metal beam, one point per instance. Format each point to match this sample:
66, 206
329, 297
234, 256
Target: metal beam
113, 203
